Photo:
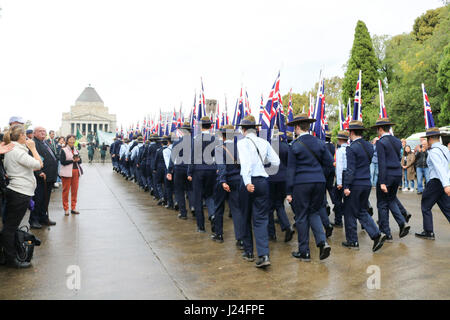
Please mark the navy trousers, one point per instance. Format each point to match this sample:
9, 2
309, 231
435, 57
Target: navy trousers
387, 200
401, 207
159, 182
148, 170
132, 168
168, 190
355, 208
203, 183
331, 189
181, 188
277, 195
220, 196
39, 214
255, 209
339, 206
323, 213
307, 200
432, 194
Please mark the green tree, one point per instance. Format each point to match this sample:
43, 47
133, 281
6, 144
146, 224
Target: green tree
443, 81
410, 62
425, 24
363, 58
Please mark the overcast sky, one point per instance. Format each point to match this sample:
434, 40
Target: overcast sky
144, 55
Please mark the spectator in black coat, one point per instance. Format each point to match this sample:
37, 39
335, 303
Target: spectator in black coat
46, 177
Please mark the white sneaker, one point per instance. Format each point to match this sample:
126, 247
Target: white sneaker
412, 190
404, 189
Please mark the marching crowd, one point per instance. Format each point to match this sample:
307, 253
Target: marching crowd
32, 164
255, 177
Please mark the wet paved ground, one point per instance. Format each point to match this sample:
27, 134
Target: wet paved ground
129, 248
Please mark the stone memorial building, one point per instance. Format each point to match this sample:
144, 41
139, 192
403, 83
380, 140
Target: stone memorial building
89, 114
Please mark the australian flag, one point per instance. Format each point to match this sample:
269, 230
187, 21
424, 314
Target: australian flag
318, 127
429, 121
290, 112
357, 105
269, 112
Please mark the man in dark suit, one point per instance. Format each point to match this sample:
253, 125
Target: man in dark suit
309, 161
202, 173
357, 188
45, 179
389, 178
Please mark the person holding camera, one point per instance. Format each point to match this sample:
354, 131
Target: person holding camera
20, 167
70, 173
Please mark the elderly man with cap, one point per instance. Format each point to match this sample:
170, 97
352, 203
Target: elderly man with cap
309, 161
228, 184
202, 173
30, 133
16, 120
437, 189
357, 186
277, 190
254, 153
135, 162
341, 166
389, 178
178, 165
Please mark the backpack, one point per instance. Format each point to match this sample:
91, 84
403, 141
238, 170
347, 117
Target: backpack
25, 243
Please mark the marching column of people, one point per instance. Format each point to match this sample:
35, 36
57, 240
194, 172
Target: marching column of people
255, 177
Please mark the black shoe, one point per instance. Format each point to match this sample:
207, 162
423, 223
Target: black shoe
248, 256
180, 216
276, 220
370, 210
273, 238
337, 225
404, 230
168, 206
407, 216
200, 230
193, 212
229, 214
176, 207
160, 202
145, 188
217, 238
288, 235
306, 257
325, 250
351, 245
18, 264
48, 223
328, 211
419, 192
263, 262
152, 192
35, 225
329, 231
378, 242
425, 235
240, 244
389, 239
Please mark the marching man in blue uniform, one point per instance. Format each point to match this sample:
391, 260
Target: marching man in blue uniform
135, 160
389, 178
254, 152
202, 173
228, 183
168, 184
437, 189
308, 163
159, 172
341, 166
357, 188
277, 187
178, 165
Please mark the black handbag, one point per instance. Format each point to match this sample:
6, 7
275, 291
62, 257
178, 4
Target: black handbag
4, 181
25, 243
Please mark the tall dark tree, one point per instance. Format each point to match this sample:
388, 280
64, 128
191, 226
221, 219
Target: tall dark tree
443, 82
363, 58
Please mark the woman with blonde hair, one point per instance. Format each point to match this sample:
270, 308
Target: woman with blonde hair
70, 173
19, 166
